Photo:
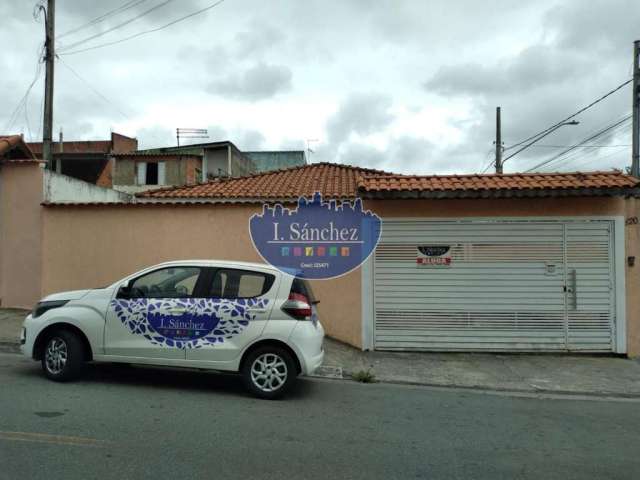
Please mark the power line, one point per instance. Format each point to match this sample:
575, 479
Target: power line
579, 152
88, 84
92, 88
153, 30
109, 30
583, 146
605, 133
122, 8
23, 101
579, 144
611, 92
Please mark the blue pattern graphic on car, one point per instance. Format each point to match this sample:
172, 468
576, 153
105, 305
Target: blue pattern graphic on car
186, 322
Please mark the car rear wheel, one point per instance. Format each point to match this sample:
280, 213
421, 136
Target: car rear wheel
269, 372
63, 356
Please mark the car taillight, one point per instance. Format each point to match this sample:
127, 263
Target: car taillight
297, 306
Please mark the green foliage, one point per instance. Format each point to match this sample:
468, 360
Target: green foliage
363, 376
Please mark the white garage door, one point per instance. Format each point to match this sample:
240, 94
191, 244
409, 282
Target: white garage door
502, 285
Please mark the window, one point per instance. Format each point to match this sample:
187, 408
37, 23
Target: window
150, 173
173, 282
230, 283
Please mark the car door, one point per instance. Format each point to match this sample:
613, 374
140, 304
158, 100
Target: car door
237, 302
152, 315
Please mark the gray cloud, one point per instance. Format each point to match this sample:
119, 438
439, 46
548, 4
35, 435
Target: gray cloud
257, 39
361, 113
534, 68
539, 60
258, 82
403, 154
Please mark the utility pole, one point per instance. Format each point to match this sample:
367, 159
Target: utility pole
47, 130
635, 129
498, 143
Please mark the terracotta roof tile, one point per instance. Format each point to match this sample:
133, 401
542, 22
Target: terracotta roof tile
15, 143
331, 179
389, 184
345, 181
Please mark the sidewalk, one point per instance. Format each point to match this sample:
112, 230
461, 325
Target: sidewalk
10, 325
548, 373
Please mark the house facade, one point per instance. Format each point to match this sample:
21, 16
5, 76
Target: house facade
537, 262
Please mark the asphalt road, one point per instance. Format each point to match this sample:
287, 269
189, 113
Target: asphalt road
133, 422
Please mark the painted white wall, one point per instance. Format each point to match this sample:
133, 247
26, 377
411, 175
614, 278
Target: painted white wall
60, 188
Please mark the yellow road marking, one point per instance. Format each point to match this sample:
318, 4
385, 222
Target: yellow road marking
46, 438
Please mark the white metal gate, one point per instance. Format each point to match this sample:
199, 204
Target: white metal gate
509, 286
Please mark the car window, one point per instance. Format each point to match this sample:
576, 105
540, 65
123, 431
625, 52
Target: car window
173, 282
232, 283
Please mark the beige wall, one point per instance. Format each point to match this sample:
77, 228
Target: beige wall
632, 240
20, 233
94, 246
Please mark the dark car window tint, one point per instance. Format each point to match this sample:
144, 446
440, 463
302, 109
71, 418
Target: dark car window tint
231, 283
173, 282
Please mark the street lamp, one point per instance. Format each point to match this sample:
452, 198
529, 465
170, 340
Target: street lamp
551, 130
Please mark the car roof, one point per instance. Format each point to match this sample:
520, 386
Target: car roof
217, 263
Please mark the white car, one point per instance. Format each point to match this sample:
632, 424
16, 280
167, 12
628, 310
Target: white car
229, 316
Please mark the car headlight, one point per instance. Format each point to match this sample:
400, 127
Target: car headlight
42, 307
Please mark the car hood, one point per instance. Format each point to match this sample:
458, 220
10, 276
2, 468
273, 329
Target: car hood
70, 295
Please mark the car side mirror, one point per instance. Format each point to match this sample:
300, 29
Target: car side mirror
124, 291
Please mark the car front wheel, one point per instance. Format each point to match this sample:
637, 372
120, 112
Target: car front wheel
63, 356
269, 372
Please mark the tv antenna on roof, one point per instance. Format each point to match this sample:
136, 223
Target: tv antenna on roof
191, 133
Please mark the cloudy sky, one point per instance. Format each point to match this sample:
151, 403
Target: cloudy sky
401, 85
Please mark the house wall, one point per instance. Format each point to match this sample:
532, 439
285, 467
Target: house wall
122, 143
179, 170
632, 246
217, 161
124, 171
240, 164
110, 242
20, 233
61, 188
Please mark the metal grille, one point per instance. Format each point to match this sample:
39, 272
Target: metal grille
504, 289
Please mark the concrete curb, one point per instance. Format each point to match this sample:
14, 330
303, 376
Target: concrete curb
482, 388
337, 373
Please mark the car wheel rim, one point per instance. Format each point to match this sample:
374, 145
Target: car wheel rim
56, 355
269, 372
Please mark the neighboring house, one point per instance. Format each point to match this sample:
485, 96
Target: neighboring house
277, 159
143, 170
219, 159
87, 160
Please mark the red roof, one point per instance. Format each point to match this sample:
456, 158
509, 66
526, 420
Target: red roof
331, 179
435, 184
16, 147
344, 181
